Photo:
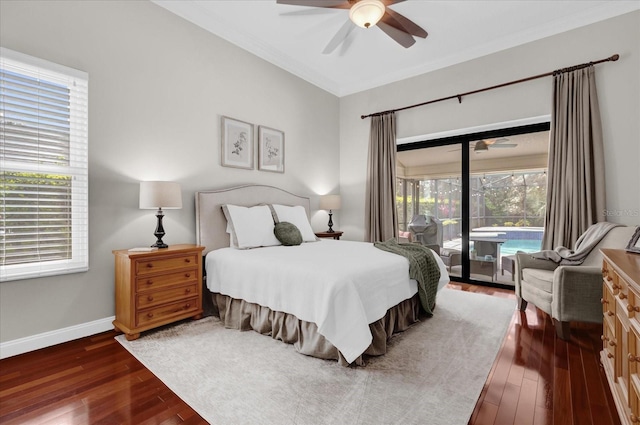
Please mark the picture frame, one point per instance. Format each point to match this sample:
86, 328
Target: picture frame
634, 243
237, 143
270, 149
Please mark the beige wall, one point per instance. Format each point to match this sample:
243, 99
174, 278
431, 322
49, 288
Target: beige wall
619, 97
157, 88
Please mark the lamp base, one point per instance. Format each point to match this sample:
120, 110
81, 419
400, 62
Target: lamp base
330, 223
159, 233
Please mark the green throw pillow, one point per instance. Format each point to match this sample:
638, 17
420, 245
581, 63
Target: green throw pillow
287, 233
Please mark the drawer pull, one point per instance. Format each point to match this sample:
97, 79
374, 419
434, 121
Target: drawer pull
615, 285
149, 315
187, 275
188, 290
633, 358
612, 343
149, 282
187, 260
603, 301
622, 295
149, 265
610, 355
604, 338
186, 306
610, 313
150, 298
633, 418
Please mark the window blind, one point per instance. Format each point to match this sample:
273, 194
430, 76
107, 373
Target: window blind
44, 168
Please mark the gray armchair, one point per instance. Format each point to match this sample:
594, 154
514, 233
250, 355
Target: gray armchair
567, 293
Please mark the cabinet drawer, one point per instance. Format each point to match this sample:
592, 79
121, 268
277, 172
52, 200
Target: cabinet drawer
155, 265
166, 311
150, 299
619, 285
607, 272
633, 305
153, 282
622, 295
634, 399
608, 304
609, 349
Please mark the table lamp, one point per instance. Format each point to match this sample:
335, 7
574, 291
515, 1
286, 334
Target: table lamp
156, 194
330, 202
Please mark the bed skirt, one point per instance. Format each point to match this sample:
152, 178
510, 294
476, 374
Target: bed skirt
242, 315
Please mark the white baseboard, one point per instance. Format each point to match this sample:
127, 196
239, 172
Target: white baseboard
47, 339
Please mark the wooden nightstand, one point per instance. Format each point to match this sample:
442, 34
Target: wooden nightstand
335, 235
157, 287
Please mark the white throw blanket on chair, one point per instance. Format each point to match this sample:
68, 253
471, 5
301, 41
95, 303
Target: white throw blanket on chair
584, 245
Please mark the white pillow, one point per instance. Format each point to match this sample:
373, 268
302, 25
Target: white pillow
251, 227
232, 237
298, 217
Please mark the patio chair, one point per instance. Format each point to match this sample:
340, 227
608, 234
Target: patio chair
450, 257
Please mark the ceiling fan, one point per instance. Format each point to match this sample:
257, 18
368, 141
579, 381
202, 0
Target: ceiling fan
483, 145
367, 14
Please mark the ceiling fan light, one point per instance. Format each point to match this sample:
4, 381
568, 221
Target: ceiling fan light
480, 146
366, 13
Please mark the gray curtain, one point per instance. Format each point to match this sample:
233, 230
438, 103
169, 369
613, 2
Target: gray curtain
575, 186
381, 220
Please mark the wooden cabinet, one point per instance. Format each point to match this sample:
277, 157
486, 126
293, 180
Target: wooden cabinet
620, 354
157, 287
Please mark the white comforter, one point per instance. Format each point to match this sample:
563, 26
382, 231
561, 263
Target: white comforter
341, 286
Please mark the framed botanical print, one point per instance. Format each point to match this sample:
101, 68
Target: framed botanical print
270, 149
237, 143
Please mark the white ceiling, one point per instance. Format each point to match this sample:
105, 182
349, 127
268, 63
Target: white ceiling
293, 37
529, 144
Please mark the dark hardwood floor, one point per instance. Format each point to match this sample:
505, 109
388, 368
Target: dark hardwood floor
536, 379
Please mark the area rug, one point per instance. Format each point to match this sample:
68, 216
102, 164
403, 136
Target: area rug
432, 373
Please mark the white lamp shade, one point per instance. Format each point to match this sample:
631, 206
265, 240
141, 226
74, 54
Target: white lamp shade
330, 202
366, 13
156, 194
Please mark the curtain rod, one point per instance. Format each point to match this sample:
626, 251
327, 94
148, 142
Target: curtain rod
459, 96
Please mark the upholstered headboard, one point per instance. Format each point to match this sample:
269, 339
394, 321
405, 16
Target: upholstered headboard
211, 225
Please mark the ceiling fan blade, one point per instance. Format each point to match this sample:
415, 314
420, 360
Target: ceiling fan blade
340, 4
401, 37
406, 24
339, 37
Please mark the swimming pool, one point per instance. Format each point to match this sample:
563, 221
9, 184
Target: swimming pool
512, 246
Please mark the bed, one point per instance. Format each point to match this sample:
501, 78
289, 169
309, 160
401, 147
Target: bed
331, 299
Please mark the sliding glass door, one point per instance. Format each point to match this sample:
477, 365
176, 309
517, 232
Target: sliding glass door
478, 200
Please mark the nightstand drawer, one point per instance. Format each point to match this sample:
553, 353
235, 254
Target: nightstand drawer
155, 265
160, 313
164, 280
151, 299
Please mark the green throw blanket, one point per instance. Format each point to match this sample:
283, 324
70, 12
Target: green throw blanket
422, 267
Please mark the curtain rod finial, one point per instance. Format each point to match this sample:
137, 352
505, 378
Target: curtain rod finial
615, 57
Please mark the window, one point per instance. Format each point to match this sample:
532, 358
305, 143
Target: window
487, 191
43, 168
